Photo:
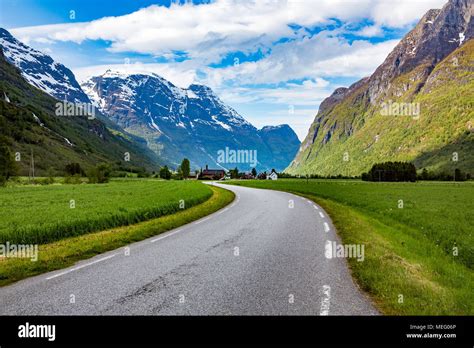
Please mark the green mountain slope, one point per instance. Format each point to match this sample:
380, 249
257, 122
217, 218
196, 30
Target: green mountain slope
433, 127
28, 124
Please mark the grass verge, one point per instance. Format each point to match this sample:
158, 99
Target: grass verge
66, 252
404, 275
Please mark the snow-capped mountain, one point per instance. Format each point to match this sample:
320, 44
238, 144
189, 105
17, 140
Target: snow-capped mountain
177, 123
29, 124
41, 71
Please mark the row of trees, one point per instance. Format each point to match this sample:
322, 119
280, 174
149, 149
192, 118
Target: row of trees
235, 174
458, 175
391, 171
403, 171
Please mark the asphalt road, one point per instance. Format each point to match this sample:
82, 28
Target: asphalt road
262, 255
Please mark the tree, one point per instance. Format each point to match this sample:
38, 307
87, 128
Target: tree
424, 174
391, 171
185, 168
254, 172
234, 173
458, 175
8, 166
99, 174
178, 175
73, 169
165, 173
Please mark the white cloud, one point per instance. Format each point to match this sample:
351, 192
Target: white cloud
397, 14
370, 31
180, 75
310, 93
320, 56
294, 104
209, 31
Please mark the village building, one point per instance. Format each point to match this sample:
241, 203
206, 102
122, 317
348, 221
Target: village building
211, 174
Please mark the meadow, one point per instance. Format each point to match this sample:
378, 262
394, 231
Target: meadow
418, 237
66, 252
43, 214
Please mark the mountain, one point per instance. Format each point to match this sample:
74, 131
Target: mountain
192, 122
416, 106
282, 142
28, 123
59, 84
41, 71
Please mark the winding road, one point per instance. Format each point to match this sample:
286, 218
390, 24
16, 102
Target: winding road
264, 254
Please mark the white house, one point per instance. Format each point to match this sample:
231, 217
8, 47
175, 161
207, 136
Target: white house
272, 176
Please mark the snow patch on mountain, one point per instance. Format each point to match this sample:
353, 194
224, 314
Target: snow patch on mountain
41, 71
222, 124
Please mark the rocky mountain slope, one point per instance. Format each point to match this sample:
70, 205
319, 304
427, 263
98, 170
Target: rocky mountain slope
164, 122
41, 71
29, 124
417, 106
57, 81
192, 122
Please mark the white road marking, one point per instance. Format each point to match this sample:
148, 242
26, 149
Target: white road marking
326, 300
202, 220
321, 214
315, 207
166, 236
326, 227
81, 266
328, 249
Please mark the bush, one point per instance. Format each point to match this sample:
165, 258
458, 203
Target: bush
143, 175
43, 181
50, 176
99, 174
72, 179
165, 173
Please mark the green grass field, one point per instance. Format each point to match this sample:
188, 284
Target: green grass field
422, 250
43, 214
67, 251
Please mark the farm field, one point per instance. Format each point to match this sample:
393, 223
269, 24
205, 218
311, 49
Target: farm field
43, 214
66, 252
418, 239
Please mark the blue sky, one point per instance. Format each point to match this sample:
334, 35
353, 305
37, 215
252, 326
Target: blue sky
273, 61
